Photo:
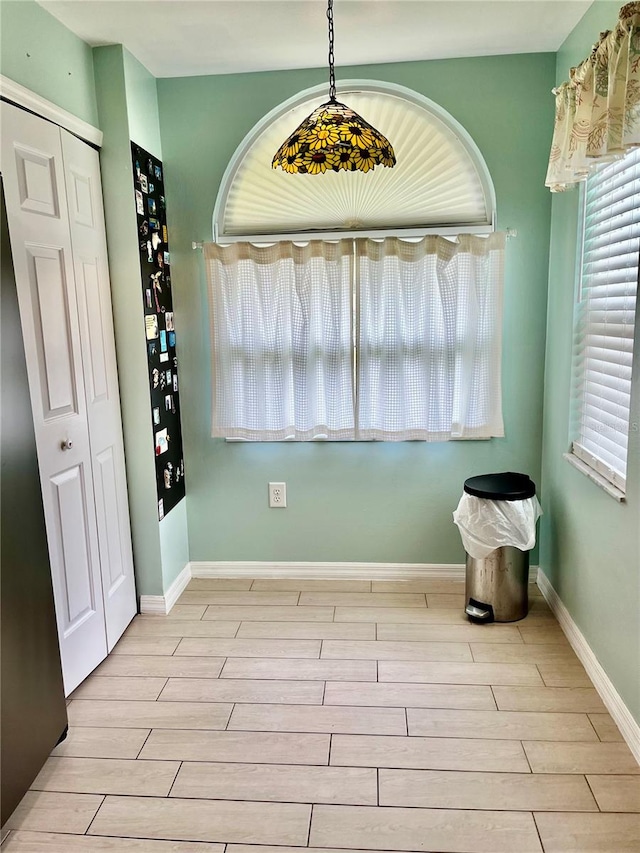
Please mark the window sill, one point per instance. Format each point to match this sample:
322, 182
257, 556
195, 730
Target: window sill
595, 477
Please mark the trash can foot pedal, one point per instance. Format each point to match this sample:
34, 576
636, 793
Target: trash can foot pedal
479, 612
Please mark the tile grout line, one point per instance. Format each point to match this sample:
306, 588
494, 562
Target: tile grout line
95, 815
522, 747
540, 675
171, 786
535, 823
144, 743
595, 729
161, 691
309, 829
592, 791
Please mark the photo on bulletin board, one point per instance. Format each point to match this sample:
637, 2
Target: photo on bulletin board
159, 328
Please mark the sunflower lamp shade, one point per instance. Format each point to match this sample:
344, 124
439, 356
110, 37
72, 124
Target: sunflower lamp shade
334, 137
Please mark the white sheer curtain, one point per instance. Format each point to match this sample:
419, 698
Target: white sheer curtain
427, 317
282, 340
430, 331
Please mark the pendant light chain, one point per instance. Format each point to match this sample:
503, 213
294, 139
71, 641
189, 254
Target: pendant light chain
332, 73
334, 137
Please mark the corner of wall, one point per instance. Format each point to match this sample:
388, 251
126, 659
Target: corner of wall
127, 101
124, 267
142, 105
174, 543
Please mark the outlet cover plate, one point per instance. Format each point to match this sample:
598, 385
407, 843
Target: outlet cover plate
277, 495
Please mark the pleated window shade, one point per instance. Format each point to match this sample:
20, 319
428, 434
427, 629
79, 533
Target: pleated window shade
436, 181
606, 318
386, 340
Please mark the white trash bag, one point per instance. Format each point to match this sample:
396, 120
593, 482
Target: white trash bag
486, 524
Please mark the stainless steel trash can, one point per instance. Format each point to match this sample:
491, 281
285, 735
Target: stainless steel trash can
496, 587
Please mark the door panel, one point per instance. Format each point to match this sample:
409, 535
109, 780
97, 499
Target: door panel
82, 171
74, 549
36, 175
33, 173
81, 196
109, 511
50, 309
90, 304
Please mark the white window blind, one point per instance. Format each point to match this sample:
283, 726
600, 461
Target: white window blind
357, 340
605, 317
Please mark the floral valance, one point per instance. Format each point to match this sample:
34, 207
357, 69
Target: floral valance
598, 109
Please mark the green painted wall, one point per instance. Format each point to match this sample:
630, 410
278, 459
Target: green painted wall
590, 545
39, 52
357, 502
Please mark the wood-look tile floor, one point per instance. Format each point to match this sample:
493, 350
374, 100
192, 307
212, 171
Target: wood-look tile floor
337, 716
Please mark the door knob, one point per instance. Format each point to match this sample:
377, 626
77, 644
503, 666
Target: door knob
67, 444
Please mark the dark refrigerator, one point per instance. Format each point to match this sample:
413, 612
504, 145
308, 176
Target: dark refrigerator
33, 708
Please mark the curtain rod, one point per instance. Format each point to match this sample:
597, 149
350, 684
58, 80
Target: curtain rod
510, 232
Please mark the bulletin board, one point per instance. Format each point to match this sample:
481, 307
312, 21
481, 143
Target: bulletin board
159, 327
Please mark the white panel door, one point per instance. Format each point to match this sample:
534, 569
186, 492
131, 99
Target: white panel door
33, 175
86, 218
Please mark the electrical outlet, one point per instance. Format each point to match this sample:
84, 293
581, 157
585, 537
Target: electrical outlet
277, 495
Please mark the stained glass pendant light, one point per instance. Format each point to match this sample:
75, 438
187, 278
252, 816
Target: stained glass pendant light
334, 137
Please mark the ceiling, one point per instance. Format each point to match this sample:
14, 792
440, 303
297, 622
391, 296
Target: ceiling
179, 38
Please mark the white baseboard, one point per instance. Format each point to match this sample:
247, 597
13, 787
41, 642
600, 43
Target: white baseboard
334, 571
162, 604
629, 728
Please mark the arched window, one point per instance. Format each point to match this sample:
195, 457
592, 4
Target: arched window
440, 184
356, 319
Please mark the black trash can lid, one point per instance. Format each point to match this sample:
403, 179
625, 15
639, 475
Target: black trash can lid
501, 487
